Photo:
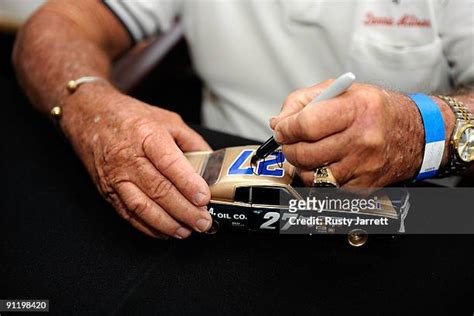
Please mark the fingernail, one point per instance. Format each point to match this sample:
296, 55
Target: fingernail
200, 198
203, 224
182, 233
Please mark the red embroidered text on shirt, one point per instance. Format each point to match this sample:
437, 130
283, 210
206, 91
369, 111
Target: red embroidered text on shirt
408, 20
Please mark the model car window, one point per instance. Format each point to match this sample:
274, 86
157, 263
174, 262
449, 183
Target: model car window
213, 167
270, 196
242, 194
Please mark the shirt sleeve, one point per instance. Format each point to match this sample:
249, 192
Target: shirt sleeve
144, 18
457, 34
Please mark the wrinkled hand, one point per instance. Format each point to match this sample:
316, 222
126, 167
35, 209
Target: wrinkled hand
368, 137
134, 153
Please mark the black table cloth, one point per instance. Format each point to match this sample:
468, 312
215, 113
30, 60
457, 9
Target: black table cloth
60, 241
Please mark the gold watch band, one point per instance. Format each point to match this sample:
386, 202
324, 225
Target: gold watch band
463, 117
459, 109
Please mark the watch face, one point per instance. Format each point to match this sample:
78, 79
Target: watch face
466, 144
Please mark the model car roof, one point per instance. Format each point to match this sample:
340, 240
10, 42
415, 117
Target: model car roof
228, 168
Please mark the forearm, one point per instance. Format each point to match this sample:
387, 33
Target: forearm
61, 42
414, 148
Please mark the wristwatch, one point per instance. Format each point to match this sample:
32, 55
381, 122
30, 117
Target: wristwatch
461, 147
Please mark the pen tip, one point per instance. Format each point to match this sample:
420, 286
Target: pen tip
351, 75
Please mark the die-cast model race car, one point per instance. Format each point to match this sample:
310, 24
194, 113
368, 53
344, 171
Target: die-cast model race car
246, 198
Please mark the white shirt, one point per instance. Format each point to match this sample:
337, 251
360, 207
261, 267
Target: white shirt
252, 53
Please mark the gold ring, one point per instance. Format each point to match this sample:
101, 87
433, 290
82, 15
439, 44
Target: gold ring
323, 177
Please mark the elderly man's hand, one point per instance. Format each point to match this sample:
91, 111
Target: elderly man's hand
134, 153
368, 137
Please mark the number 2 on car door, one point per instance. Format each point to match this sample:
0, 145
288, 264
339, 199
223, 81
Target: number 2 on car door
272, 217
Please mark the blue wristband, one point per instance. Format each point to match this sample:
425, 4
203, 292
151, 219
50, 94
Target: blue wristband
434, 135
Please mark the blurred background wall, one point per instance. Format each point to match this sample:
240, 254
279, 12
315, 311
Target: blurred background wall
14, 12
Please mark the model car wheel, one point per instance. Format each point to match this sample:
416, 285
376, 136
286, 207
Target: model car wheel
214, 227
357, 237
